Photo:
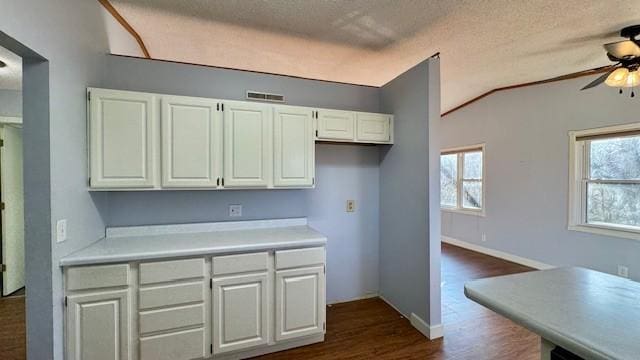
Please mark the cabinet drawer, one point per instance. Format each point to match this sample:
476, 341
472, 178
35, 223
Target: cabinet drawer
233, 264
299, 257
162, 271
172, 318
92, 277
168, 295
188, 344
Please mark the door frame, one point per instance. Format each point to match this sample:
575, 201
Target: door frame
39, 309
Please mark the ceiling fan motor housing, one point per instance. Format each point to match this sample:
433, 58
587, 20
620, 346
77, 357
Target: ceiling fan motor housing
630, 32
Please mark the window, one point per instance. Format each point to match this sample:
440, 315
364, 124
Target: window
605, 181
461, 180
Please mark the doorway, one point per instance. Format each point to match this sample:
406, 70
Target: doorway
11, 207
11, 176
12, 228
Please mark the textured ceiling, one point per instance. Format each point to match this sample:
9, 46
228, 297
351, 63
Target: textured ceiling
10, 75
483, 44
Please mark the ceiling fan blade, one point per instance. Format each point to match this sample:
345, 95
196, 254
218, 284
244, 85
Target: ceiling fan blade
622, 49
600, 79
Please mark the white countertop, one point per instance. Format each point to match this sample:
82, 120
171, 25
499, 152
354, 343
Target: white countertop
168, 241
589, 313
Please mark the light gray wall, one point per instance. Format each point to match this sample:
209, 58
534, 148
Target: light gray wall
70, 35
10, 102
347, 172
404, 194
527, 169
435, 310
194, 80
342, 172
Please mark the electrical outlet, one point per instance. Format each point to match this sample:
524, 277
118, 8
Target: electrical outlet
235, 210
623, 271
351, 205
484, 237
61, 230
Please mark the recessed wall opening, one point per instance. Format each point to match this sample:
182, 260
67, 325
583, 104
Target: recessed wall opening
12, 295
25, 206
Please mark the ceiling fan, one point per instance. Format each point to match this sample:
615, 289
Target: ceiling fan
626, 57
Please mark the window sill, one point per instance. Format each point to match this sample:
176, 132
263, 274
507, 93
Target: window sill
606, 231
464, 211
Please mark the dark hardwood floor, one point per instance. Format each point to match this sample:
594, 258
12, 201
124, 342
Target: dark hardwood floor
12, 328
371, 329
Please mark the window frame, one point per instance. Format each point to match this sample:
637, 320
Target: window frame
460, 151
579, 165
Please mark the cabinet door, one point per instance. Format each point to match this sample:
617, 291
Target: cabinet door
336, 125
98, 326
191, 142
294, 146
240, 312
373, 127
300, 302
123, 139
247, 144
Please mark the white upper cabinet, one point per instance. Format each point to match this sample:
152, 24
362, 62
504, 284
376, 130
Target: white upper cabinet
248, 145
143, 141
373, 127
191, 142
335, 125
123, 139
294, 145
98, 326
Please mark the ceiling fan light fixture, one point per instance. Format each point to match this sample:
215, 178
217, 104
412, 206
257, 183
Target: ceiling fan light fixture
633, 79
618, 78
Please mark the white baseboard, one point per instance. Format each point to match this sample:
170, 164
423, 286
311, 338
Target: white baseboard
393, 306
497, 253
363, 297
431, 332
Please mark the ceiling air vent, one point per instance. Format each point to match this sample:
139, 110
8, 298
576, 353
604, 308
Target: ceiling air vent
260, 96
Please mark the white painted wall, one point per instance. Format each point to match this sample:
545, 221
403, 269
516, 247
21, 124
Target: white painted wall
527, 167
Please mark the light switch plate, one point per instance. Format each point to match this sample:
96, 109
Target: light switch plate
235, 210
351, 205
623, 271
61, 230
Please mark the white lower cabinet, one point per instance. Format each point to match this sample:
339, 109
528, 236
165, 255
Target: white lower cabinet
184, 344
300, 302
98, 325
231, 306
240, 312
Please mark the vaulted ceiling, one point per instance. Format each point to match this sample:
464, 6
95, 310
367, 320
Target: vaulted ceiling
483, 44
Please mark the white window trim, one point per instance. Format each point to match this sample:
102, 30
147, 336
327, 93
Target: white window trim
459, 209
577, 200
